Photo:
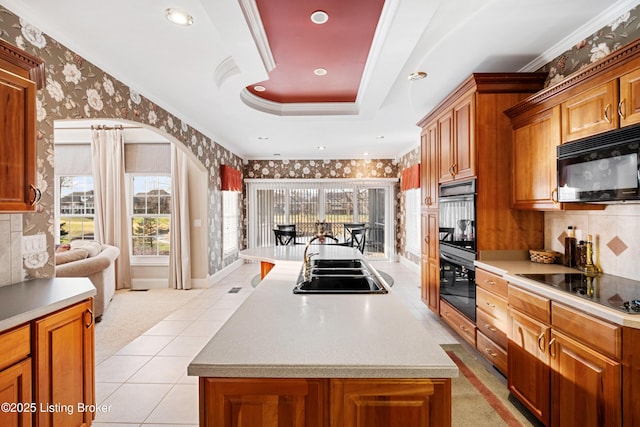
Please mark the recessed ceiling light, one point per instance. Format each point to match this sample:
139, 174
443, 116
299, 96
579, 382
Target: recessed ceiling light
365, 153
178, 16
319, 17
320, 72
380, 137
418, 75
321, 147
259, 88
263, 138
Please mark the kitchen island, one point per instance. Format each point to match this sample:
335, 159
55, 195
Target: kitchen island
318, 360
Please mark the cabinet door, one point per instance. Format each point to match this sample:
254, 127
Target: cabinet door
629, 105
384, 403
528, 363
463, 147
445, 143
585, 385
262, 402
534, 174
15, 388
430, 262
429, 166
591, 112
17, 143
64, 359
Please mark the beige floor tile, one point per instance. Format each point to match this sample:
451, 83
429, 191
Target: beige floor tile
104, 390
185, 346
162, 369
117, 369
202, 328
132, 403
168, 327
180, 405
145, 345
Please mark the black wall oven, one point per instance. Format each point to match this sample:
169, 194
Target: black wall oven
457, 217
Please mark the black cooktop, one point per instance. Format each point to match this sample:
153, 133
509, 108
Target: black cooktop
605, 289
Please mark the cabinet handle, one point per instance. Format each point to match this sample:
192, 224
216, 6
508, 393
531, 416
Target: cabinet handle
464, 328
490, 353
489, 304
554, 195
90, 313
552, 348
606, 113
621, 109
37, 195
541, 342
426, 239
489, 282
427, 200
489, 327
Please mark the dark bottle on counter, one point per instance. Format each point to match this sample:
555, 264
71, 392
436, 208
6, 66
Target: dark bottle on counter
581, 254
570, 248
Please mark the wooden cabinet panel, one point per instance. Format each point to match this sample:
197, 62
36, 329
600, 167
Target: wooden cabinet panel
491, 282
430, 261
433, 273
463, 326
492, 328
629, 104
445, 141
602, 336
593, 111
585, 385
383, 403
495, 354
534, 305
534, 182
15, 388
528, 363
15, 345
64, 364
262, 402
493, 305
429, 166
463, 146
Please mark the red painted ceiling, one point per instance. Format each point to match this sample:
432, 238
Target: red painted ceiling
299, 46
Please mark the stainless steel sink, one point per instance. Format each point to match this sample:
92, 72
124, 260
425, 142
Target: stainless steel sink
329, 276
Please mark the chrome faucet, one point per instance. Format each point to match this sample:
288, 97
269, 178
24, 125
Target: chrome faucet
307, 258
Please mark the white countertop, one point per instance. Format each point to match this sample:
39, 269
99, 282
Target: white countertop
23, 302
276, 333
509, 270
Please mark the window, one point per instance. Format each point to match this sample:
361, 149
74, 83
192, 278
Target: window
150, 215
412, 220
75, 208
230, 222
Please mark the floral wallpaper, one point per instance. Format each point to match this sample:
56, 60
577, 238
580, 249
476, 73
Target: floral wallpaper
621, 31
406, 161
77, 89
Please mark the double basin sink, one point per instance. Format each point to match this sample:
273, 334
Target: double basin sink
338, 276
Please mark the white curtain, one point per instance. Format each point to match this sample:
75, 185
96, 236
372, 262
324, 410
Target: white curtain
180, 241
107, 153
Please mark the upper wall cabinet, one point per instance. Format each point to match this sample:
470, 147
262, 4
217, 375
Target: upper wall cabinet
591, 112
629, 104
21, 75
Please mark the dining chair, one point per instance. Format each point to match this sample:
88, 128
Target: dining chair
348, 226
285, 237
286, 227
358, 238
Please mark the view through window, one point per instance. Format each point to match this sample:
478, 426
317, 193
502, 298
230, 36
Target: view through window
76, 208
151, 215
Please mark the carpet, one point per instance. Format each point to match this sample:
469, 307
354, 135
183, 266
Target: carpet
480, 397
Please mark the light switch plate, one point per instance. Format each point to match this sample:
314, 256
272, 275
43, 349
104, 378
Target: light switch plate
34, 244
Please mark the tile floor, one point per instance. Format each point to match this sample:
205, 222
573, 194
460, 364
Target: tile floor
145, 383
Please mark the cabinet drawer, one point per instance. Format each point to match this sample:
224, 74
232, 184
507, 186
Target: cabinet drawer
602, 336
492, 352
15, 345
489, 326
534, 305
491, 282
493, 305
459, 322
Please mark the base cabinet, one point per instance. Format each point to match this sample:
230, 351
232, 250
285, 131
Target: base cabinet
63, 367
301, 402
15, 390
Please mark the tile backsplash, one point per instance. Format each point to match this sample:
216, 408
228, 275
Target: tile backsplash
615, 232
11, 270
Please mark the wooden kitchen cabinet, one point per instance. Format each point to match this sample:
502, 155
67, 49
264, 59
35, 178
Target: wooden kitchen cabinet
629, 104
335, 402
429, 167
585, 385
15, 376
456, 141
21, 74
459, 322
591, 112
491, 318
64, 365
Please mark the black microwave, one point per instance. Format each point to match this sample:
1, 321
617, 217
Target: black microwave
604, 168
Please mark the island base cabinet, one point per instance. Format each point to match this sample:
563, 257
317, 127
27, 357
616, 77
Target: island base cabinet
299, 402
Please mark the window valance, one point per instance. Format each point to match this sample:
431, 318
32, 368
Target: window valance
231, 178
410, 178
